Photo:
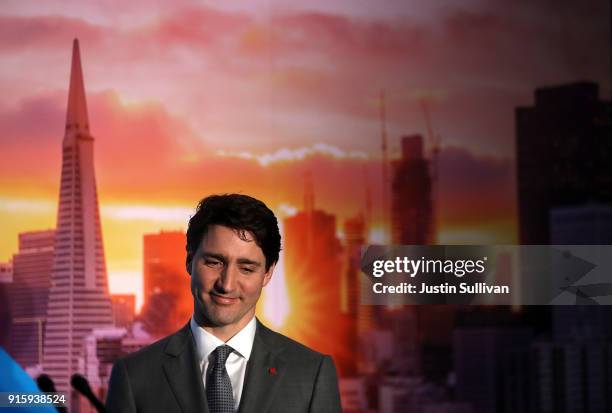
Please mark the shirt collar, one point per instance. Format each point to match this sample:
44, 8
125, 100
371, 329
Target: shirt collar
241, 342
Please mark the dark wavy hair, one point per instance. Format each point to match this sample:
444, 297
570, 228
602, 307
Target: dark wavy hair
241, 213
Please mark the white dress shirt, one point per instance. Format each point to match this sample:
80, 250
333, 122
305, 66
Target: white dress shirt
236, 363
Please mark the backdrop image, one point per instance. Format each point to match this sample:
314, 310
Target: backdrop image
358, 123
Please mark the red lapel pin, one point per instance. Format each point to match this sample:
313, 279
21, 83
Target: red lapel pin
272, 371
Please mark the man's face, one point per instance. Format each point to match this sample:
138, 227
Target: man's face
227, 275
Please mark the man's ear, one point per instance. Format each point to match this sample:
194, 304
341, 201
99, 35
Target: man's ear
268, 274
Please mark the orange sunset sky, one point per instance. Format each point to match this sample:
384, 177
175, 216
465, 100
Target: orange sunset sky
187, 98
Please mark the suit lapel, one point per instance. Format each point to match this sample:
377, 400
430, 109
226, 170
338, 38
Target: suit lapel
265, 370
183, 374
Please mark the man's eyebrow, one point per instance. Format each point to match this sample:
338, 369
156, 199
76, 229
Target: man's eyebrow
249, 262
219, 257
222, 258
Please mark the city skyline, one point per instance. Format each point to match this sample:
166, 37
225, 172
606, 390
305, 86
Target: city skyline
292, 104
246, 96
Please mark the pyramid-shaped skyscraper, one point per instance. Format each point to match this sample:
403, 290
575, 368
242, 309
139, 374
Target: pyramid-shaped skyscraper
79, 300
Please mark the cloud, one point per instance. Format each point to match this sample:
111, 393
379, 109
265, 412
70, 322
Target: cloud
25, 33
31, 142
233, 74
292, 155
265, 88
152, 167
197, 26
135, 143
147, 213
26, 206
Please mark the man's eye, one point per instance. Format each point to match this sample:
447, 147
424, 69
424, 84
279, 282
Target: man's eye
247, 270
212, 263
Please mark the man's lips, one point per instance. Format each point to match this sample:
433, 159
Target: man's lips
222, 300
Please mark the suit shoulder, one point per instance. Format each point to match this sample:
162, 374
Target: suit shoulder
291, 348
149, 353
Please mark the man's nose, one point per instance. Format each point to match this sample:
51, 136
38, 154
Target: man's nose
227, 279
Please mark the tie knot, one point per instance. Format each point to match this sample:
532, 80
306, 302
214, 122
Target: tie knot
221, 354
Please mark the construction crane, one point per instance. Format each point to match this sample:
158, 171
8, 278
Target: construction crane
386, 182
435, 143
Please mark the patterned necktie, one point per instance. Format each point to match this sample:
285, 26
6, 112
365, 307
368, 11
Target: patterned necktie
218, 386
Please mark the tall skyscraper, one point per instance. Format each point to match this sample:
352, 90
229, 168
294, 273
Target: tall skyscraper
411, 202
28, 297
355, 315
581, 225
567, 372
563, 150
79, 300
168, 303
574, 368
354, 235
480, 355
313, 269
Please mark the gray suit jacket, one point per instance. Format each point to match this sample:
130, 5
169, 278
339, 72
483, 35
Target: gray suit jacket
281, 376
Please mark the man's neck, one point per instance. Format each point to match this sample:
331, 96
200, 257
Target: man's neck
223, 333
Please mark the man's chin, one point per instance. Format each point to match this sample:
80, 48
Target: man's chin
221, 318
217, 315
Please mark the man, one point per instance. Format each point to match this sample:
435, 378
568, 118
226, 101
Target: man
224, 359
